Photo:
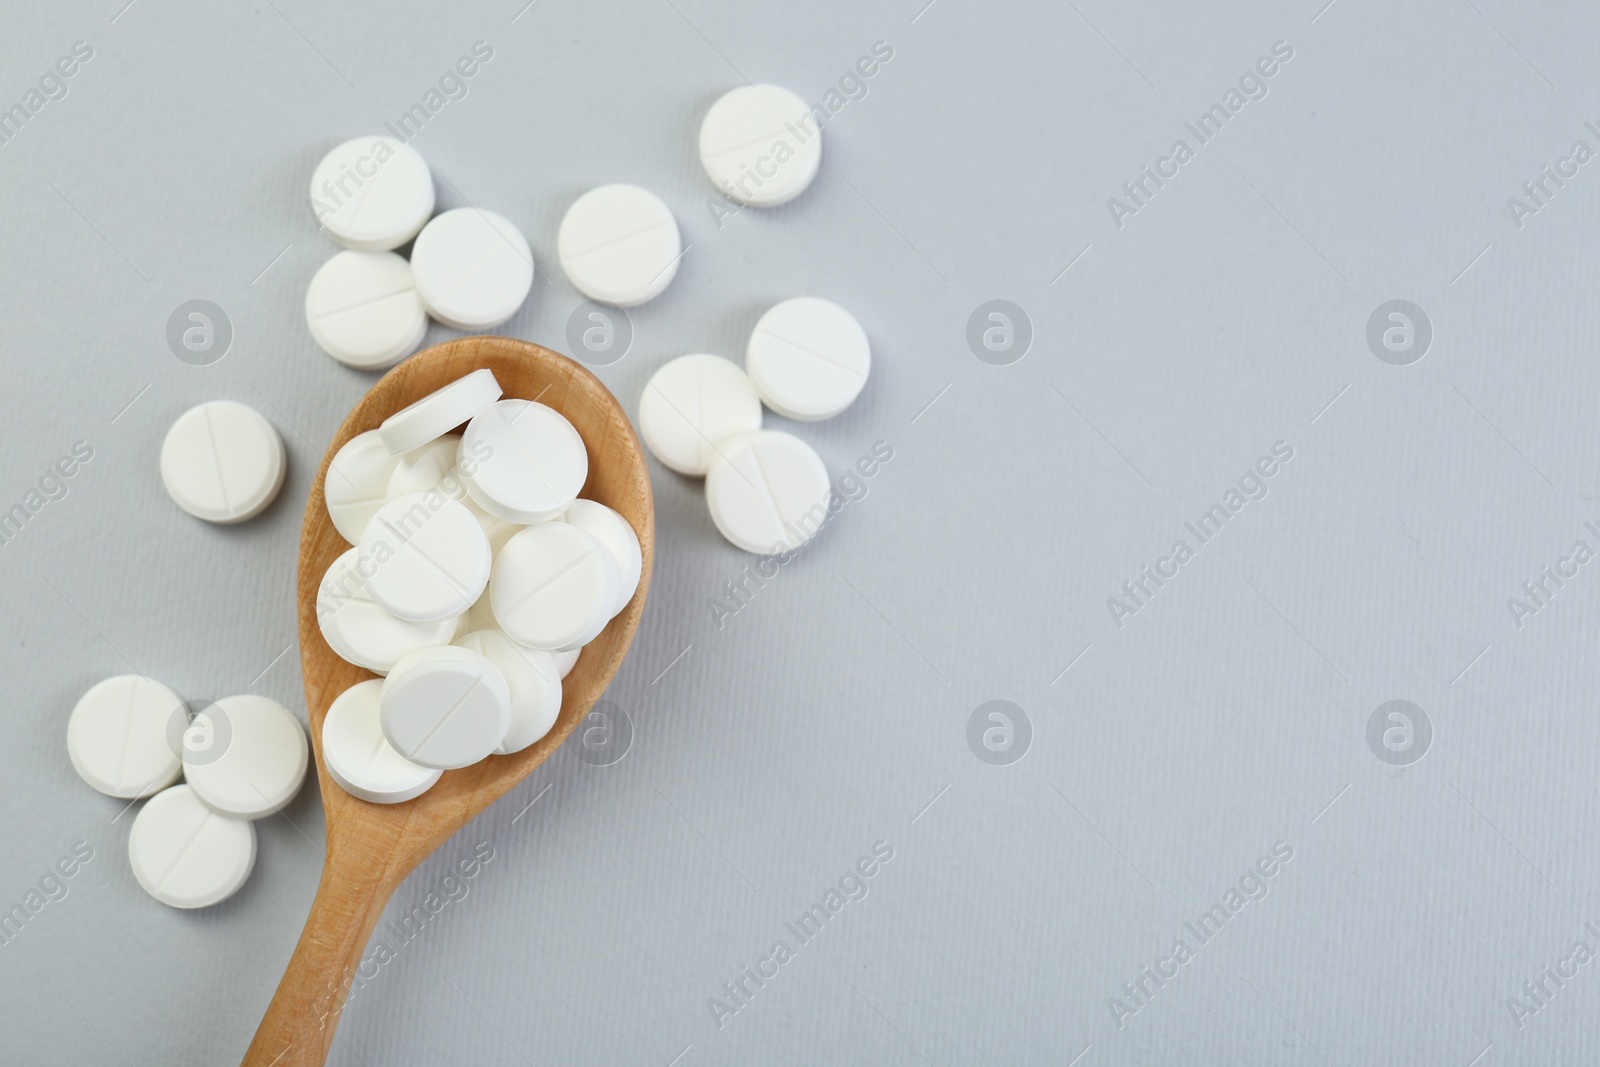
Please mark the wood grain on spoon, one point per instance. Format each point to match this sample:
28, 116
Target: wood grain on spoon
372, 847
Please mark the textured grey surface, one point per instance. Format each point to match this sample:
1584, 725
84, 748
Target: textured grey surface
831, 711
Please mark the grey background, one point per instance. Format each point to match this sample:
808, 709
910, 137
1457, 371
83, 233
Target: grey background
831, 712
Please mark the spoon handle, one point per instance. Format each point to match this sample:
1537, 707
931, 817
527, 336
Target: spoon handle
297, 1029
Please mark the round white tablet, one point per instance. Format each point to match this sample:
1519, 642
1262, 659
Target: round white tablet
760, 145
185, 854
472, 268
808, 358
222, 462
360, 759
426, 557
768, 492
252, 761
618, 537
533, 680
117, 737
361, 632
357, 484
445, 707
619, 245
567, 660
372, 193
554, 587
691, 405
363, 310
440, 411
427, 468
534, 461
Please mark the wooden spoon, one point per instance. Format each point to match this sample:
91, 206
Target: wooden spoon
372, 847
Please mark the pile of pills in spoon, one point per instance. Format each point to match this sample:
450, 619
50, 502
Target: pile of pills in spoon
476, 577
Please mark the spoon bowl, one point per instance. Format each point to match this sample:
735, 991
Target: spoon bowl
372, 847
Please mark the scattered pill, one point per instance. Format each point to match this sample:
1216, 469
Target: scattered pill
554, 587
445, 707
372, 193
439, 412
618, 537
472, 268
768, 491
360, 759
760, 145
693, 404
534, 463
245, 756
533, 681
117, 737
364, 311
361, 632
357, 483
185, 854
619, 245
808, 359
222, 462
426, 558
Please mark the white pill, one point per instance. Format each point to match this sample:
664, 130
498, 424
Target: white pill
426, 558
361, 632
760, 145
357, 484
445, 707
619, 245
472, 268
372, 193
768, 492
691, 405
554, 587
808, 358
364, 311
360, 759
530, 462
532, 679
614, 532
117, 737
245, 756
567, 660
222, 462
185, 854
440, 411
433, 466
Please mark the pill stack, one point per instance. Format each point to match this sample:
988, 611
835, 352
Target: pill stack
241, 758
475, 579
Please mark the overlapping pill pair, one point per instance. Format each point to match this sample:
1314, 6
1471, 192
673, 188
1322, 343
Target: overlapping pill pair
477, 574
